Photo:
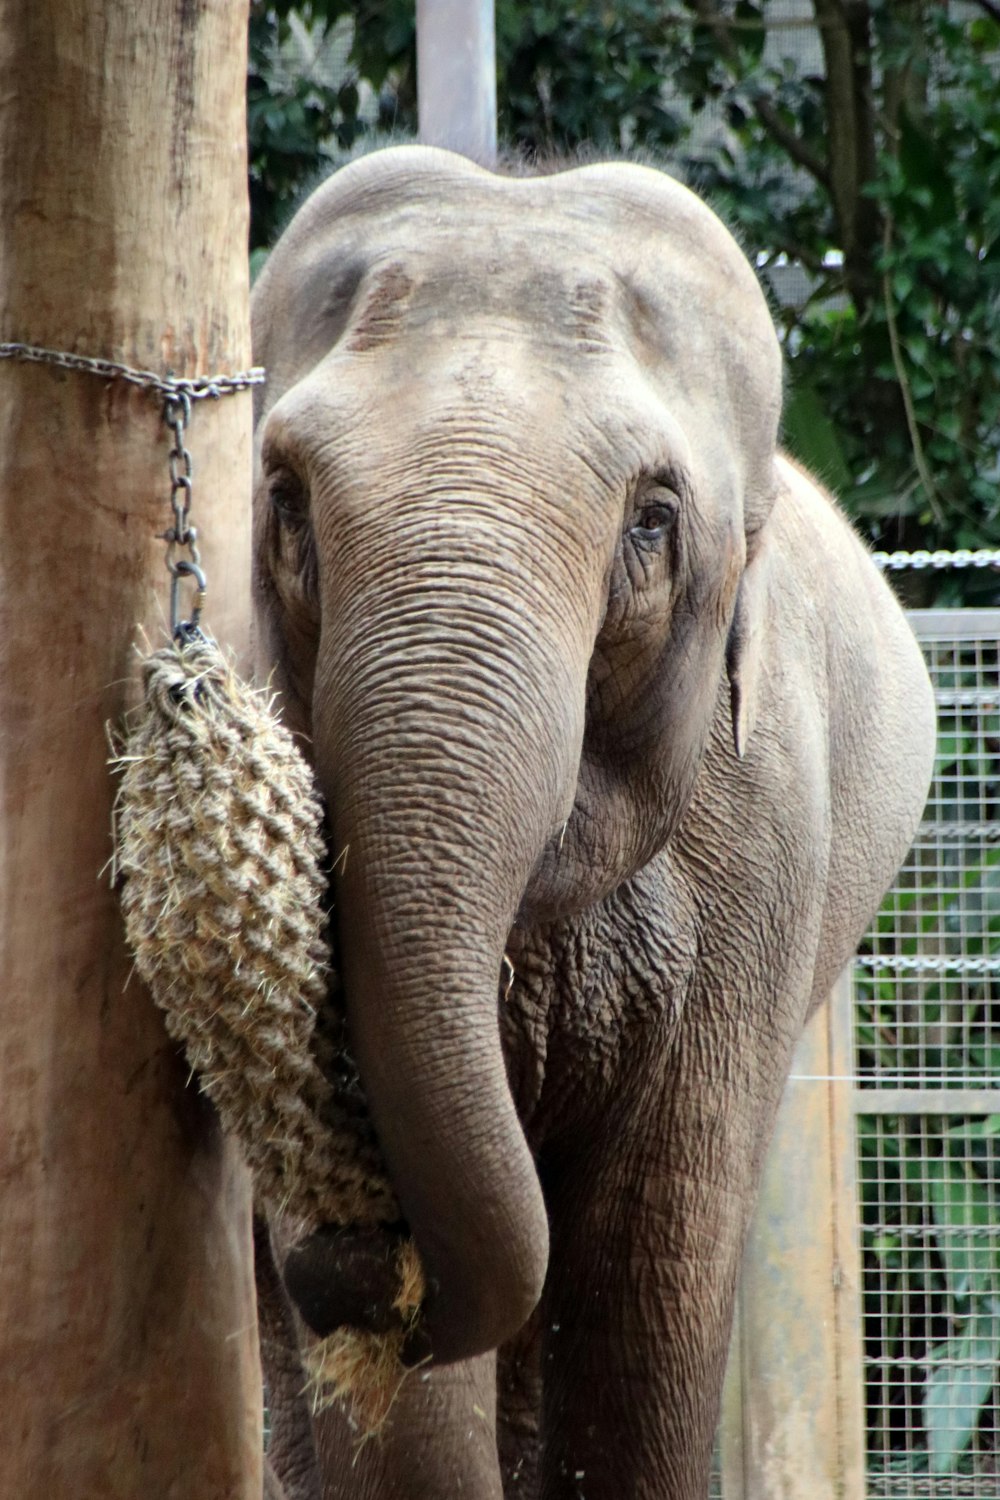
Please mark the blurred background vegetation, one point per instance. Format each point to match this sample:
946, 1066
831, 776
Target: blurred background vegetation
853, 145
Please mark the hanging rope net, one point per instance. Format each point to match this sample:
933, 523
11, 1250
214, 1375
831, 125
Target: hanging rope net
220, 847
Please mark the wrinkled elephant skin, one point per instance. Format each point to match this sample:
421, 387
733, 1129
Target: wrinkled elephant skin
622, 737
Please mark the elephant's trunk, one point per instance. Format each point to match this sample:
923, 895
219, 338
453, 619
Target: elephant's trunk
447, 735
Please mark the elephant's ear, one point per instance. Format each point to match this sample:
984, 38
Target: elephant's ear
745, 646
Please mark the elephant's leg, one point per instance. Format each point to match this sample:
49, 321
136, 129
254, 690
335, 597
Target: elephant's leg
519, 1410
438, 1442
647, 1238
291, 1472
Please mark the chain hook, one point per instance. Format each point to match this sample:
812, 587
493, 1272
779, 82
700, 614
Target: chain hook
177, 416
185, 630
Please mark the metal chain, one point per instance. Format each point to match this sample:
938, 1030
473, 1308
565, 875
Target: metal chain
196, 389
179, 393
929, 835
935, 1231
177, 415
972, 698
894, 562
915, 1487
203, 386
905, 963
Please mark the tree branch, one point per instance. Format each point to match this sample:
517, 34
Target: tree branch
990, 7
709, 15
903, 380
791, 142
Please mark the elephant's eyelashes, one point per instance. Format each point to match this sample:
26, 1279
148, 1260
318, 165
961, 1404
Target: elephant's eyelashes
291, 544
289, 500
654, 516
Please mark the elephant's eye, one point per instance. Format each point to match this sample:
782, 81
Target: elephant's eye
654, 516
289, 500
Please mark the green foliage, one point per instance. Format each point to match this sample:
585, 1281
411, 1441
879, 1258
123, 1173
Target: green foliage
304, 95
914, 322
963, 1371
290, 116
579, 72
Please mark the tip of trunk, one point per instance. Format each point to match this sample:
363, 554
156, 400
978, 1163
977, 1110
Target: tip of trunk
480, 1302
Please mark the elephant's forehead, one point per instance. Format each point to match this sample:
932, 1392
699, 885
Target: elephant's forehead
420, 231
458, 266
599, 261
619, 210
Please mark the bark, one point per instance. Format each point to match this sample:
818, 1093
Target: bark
127, 1331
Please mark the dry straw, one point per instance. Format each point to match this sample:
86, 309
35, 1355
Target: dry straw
220, 847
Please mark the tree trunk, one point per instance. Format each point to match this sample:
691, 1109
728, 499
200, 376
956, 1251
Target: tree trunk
128, 1359
845, 32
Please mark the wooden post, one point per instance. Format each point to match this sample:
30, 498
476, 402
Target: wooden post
457, 77
793, 1409
128, 1359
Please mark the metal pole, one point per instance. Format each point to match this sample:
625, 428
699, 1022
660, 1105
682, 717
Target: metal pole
456, 77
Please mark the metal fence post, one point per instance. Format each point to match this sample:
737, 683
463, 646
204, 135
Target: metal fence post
456, 77
793, 1413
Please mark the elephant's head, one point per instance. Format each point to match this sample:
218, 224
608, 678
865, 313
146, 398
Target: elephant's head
516, 460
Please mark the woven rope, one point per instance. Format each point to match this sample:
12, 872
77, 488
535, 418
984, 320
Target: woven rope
219, 844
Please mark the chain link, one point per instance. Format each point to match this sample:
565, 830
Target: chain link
177, 415
179, 393
906, 963
934, 1231
895, 562
196, 389
176, 388
202, 386
915, 1487
930, 835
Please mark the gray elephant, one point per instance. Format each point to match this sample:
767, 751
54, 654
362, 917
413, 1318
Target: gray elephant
614, 717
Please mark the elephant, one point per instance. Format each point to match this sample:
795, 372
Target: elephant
622, 737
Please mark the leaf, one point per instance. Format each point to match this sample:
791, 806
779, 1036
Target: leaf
927, 182
813, 439
975, 1130
955, 1392
902, 284
961, 1201
984, 33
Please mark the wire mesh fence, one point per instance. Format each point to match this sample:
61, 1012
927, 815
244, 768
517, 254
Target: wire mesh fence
927, 992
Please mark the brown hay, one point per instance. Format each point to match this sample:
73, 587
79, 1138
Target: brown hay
368, 1365
219, 845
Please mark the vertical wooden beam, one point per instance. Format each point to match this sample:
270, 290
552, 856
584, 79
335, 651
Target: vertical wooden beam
128, 1360
457, 77
793, 1410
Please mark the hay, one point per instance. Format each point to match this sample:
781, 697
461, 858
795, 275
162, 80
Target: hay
220, 847
368, 1365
